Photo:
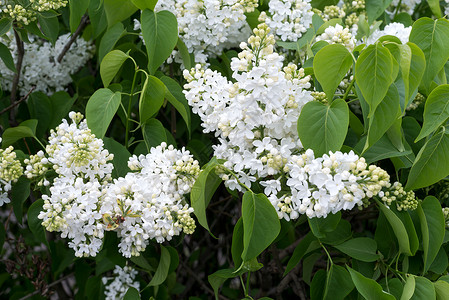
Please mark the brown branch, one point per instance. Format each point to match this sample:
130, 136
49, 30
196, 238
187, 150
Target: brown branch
84, 22
17, 102
16, 79
49, 286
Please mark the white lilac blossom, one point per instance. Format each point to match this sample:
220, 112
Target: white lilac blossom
446, 7
27, 13
84, 168
338, 35
407, 6
208, 27
40, 67
395, 29
117, 286
10, 171
288, 19
255, 121
255, 117
150, 203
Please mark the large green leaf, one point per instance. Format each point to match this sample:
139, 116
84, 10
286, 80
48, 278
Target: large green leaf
387, 112
111, 64
373, 73
176, 97
217, 279
432, 223
441, 290
431, 163
431, 36
321, 226
368, 288
362, 248
436, 110
25, 129
61, 103
435, 7
382, 149
260, 224
121, 156
299, 252
330, 66
5, 25
398, 227
49, 27
203, 189
423, 289
374, 8
77, 10
118, 10
97, 17
142, 4
151, 98
100, 110
109, 39
6, 57
131, 294
409, 288
19, 194
323, 128
338, 283
34, 223
153, 133
162, 269
160, 33
40, 108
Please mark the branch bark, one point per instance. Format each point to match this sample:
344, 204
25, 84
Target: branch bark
16, 79
84, 22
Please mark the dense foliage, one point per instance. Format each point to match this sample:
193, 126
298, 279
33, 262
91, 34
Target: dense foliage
224, 148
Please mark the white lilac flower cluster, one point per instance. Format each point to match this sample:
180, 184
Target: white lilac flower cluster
338, 35
208, 27
288, 19
40, 67
255, 121
26, 12
10, 171
446, 7
395, 29
407, 6
117, 286
83, 167
149, 204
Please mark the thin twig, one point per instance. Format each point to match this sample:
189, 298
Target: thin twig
17, 102
7, 220
84, 22
15, 82
49, 286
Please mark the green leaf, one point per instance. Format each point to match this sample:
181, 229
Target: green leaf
323, 128
409, 288
203, 189
330, 66
5, 25
367, 287
405, 218
111, 64
373, 73
362, 248
260, 224
176, 97
341, 233
431, 36
331, 22
153, 133
387, 112
423, 289
151, 98
380, 150
415, 71
217, 279
162, 269
321, 226
97, 17
25, 129
237, 243
318, 284
61, 104
19, 194
34, 223
131, 294
109, 39
374, 8
49, 27
160, 33
432, 223
431, 163
338, 283
142, 4
118, 10
121, 156
77, 9
435, 7
398, 227
6, 57
40, 108
185, 55
100, 110
436, 110
299, 252
441, 290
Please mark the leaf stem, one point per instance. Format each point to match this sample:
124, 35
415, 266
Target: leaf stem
128, 114
349, 89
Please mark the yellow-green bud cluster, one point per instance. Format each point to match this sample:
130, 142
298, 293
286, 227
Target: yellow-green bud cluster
185, 221
36, 168
416, 102
333, 12
353, 5
320, 97
352, 19
10, 168
404, 200
26, 14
